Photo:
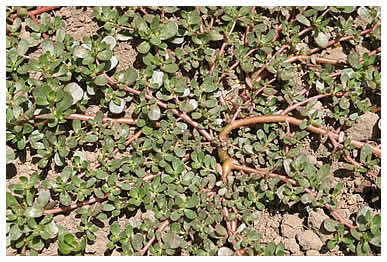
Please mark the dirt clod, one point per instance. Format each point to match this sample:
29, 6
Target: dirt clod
363, 128
316, 218
291, 245
291, 224
313, 253
309, 240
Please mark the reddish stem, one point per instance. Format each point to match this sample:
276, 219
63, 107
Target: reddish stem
161, 228
85, 117
42, 10
344, 38
143, 10
294, 121
73, 206
320, 60
163, 105
377, 109
290, 108
258, 73
202, 31
306, 30
223, 47
230, 231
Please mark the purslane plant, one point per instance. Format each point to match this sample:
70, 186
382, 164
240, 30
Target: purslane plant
160, 124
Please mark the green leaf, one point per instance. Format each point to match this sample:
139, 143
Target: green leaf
11, 200
215, 36
353, 59
140, 24
303, 20
270, 249
332, 244
44, 197
180, 152
110, 41
170, 68
48, 46
304, 124
34, 211
40, 96
15, 232
117, 109
22, 47
157, 78
172, 239
100, 80
100, 174
115, 228
321, 39
52, 228
127, 77
143, 48
344, 103
31, 24
306, 198
365, 154
154, 112
168, 30
65, 103
10, 154
105, 55
175, 215
190, 214
137, 241
220, 230
108, 207
75, 90
80, 52
376, 240
330, 225
323, 171
65, 198
190, 105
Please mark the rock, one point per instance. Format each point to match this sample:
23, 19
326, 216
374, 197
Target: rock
291, 245
290, 225
363, 128
316, 218
313, 253
309, 240
225, 251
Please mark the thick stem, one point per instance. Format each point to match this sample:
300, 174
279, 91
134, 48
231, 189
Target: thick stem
294, 121
42, 10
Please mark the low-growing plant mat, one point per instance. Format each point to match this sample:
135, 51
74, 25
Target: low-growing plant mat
193, 130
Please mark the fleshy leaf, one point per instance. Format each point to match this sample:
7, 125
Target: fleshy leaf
154, 112
321, 40
75, 90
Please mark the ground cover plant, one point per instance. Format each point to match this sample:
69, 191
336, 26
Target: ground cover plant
193, 130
